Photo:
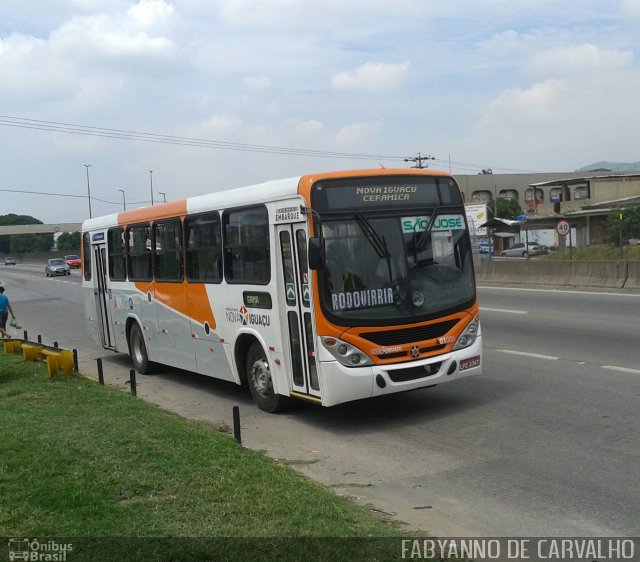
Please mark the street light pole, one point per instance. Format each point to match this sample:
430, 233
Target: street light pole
124, 203
164, 195
87, 166
151, 181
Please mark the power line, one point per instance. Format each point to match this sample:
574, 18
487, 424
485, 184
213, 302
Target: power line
123, 134
70, 128
70, 195
480, 167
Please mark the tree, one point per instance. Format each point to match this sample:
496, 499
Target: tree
630, 225
23, 243
69, 242
507, 208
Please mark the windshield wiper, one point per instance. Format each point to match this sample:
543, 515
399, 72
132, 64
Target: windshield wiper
419, 242
378, 242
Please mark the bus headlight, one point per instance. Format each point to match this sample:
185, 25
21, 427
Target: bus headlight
346, 354
468, 336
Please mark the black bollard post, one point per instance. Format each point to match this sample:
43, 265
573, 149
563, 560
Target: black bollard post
55, 344
236, 424
39, 338
26, 337
132, 380
100, 373
75, 360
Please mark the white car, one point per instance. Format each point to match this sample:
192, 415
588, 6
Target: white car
520, 250
57, 266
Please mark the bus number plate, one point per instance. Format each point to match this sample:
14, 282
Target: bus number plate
469, 363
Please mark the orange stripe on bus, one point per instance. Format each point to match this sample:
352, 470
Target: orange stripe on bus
172, 209
189, 299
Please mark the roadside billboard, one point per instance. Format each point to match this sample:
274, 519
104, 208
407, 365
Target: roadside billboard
476, 215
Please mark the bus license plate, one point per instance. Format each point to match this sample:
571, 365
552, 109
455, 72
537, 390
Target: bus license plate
469, 363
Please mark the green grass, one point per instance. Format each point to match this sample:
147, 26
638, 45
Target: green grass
596, 253
81, 460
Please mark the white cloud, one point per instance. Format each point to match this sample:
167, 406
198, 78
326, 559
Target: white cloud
561, 124
257, 82
217, 126
579, 59
120, 35
150, 13
371, 76
354, 134
537, 104
631, 8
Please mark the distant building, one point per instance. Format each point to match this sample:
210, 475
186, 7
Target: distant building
585, 199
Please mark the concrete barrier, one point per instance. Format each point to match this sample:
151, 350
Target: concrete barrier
633, 275
605, 274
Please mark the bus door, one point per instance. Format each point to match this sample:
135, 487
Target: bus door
295, 296
102, 291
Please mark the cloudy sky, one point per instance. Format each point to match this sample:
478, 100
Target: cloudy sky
211, 94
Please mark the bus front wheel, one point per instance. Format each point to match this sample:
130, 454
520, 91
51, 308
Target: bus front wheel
138, 351
261, 383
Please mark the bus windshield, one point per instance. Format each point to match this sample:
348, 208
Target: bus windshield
397, 268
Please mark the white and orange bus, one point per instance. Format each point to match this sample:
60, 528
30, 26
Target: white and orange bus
327, 287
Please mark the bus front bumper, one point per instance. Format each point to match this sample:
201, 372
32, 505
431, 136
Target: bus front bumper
342, 384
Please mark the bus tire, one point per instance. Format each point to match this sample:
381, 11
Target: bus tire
138, 350
261, 383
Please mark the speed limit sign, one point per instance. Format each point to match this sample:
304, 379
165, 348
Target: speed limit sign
563, 228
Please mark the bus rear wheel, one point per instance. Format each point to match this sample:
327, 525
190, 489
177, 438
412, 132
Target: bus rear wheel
138, 351
261, 383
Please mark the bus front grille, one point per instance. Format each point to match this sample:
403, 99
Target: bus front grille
410, 335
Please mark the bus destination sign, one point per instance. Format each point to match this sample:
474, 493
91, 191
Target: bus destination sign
401, 192
385, 193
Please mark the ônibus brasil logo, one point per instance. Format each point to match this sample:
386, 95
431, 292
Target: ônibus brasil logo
243, 316
38, 550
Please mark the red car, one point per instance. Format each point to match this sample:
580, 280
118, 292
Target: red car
73, 261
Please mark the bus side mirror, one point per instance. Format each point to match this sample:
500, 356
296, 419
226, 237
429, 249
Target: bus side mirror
317, 256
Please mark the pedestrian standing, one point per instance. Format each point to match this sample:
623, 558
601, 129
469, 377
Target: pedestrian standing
5, 309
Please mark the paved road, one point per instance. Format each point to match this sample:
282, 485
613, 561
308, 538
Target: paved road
546, 442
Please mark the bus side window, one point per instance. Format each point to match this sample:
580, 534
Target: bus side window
139, 252
203, 243
246, 246
167, 237
117, 254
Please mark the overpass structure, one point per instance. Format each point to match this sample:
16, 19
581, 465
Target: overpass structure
41, 228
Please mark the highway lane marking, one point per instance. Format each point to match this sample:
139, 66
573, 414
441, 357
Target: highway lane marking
527, 354
510, 311
621, 369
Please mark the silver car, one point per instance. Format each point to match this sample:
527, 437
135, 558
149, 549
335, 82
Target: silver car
57, 266
520, 250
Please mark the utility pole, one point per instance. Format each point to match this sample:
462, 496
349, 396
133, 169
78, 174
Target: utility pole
151, 182
87, 166
419, 160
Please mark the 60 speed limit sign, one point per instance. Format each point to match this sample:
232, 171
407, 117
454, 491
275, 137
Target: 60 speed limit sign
563, 228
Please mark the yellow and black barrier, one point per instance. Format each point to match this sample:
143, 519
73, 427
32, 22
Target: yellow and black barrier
57, 359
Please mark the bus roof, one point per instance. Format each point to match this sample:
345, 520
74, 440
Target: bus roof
249, 195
